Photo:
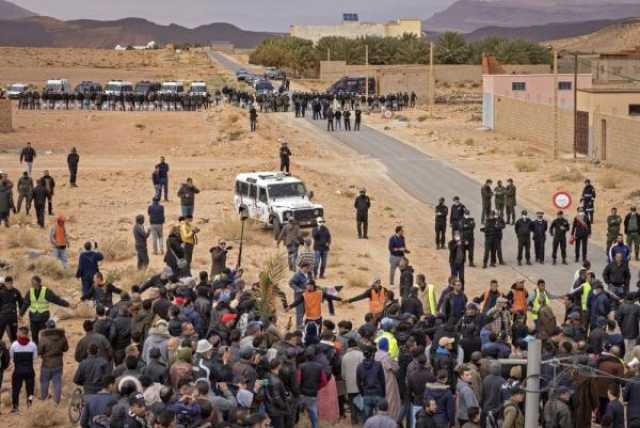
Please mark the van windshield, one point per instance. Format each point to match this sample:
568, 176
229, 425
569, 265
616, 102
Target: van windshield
287, 190
16, 87
264, 86
54, 86
113, 87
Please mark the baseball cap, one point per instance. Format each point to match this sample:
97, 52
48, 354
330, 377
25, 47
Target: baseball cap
136, 398
444, 341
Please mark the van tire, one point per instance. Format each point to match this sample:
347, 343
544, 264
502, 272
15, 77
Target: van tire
277, 227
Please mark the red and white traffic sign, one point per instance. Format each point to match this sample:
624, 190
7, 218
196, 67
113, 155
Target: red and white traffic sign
562, 200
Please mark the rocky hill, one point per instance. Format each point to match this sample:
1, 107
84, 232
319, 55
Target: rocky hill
42, 31
613, 38
9, 10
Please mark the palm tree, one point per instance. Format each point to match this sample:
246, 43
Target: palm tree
452, 48
268, 289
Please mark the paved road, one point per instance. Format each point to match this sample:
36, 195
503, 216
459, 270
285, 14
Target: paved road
427, 179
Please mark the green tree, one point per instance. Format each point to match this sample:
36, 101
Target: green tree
452, 48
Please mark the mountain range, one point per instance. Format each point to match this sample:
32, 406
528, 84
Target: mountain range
9, 10
470, 15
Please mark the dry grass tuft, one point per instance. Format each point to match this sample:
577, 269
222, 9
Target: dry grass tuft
357, 280
524, 165
235, 135
570, 174
469, 142
21, 219
423, 118
50, 267
43, 414
116, 248
402, 118
23, 238
609, 181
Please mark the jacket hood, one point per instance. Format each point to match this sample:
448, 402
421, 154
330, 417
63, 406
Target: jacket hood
494, 368
53, 332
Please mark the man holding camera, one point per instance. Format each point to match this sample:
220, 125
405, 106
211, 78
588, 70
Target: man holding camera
219, 257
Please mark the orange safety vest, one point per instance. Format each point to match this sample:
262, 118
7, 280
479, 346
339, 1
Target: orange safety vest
376, 304
519, 301
313, 304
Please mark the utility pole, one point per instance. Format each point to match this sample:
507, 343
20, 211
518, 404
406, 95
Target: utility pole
532, 401
328, 54
555, 105
432, 78
575, 104
366, 62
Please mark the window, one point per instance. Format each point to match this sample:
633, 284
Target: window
518, 86
253, 191
262, 195
565, 86
242, 188
634, 109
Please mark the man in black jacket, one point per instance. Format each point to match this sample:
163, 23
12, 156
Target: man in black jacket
539, 228
491, 231
49, 185
628, 318
285, 154
523, 228
559, 228
442, 211
312, 378
456, 215
10, 302
321, 245
362, 205
73, 159
121, 334
39, 201
617, 275
28, 155
371, 382
468, 229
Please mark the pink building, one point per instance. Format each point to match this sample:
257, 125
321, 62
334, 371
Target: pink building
532, 88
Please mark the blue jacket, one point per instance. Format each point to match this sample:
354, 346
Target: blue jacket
163, 169
599, 306
88, 264
445, 415
631, 395
396, 242
298, 282
156, 213
619, 248
95, 405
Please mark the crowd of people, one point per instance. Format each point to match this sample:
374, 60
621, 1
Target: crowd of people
209, 349
130, 101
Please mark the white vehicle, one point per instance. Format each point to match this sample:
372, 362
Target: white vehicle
118, 87
172, 88
273, 199
14, 91
58, 87
198, 88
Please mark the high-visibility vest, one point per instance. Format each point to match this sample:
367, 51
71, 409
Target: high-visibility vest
584, 298
519, 301
312, 304
376, 303
39, 305
430, 302
535, 305
394, 350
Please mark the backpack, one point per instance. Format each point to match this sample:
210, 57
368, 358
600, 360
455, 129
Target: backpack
495, 418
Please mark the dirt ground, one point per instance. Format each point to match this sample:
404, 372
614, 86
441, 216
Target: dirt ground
117, 153
119, 149
36, 65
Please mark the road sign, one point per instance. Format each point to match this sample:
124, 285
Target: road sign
562, 200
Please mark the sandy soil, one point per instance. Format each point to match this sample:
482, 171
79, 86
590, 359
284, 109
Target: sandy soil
35, 66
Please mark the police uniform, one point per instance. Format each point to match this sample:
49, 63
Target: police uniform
539, 238
442, 211
468, 227
614, 221
486, 194
510, 203
499, 195
523, 229
559, 228
588, 200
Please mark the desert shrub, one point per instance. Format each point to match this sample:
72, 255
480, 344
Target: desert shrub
22, 238
50, 267
43, 414
116, 248
524, 165
84, 310
234, 118
422, 118
235, 135
402, 118
140, 126
609, 181
568, 174
469, 142
357, 280
349, 194
21, 219
634, 194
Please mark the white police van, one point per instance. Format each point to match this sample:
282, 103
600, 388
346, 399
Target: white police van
118, 87
273, 198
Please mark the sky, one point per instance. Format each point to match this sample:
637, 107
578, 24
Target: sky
266, 15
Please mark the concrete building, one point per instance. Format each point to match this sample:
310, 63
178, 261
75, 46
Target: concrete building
353, 29
604, 125
528, 88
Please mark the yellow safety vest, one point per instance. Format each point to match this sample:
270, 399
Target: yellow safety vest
584, 299
536, 304
394, 350
39, 305
430, 301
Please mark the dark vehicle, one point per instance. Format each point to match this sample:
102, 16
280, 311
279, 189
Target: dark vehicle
352, 85
275, 74
146, 87
242, 74
88, 88
264, 87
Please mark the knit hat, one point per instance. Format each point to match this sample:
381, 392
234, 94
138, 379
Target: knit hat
184, 354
